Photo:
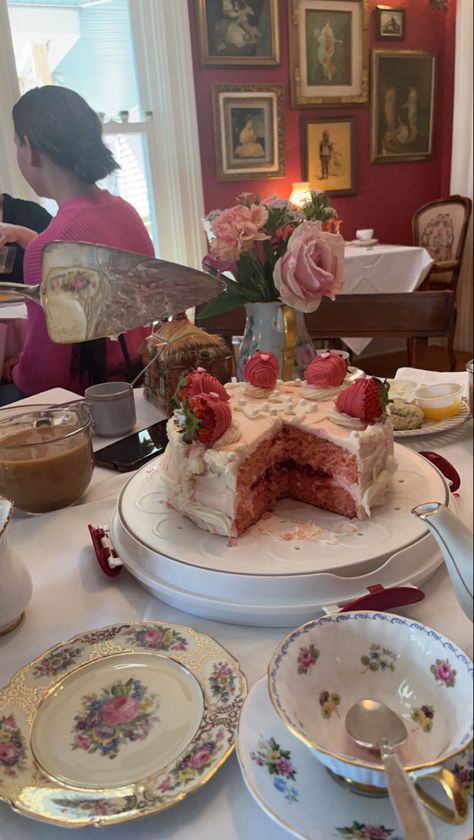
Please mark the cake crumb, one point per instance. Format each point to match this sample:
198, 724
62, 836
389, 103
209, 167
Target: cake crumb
231, 542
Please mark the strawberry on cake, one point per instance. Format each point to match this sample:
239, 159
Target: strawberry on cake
234, 451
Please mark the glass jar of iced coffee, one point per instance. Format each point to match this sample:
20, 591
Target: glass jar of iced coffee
46, 457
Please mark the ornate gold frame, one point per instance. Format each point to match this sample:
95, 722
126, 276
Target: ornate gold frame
299, 98
376, 155
240, 60
227, 97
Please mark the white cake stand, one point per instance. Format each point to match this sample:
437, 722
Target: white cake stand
263, 578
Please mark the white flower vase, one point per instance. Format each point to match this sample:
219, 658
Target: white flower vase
281, 330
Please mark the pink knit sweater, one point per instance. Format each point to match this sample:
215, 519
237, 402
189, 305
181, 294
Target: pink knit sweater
103, 219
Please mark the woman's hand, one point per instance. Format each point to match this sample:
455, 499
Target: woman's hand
8, 366
16, 233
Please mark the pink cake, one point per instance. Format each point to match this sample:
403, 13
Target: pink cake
234, 458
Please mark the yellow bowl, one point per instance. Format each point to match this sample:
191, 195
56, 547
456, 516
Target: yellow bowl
439, 401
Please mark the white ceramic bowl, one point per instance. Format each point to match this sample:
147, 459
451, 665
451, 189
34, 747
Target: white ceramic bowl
365, 234
320, 669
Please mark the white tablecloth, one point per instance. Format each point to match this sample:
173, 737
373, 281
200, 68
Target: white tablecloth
71, 594
383, 268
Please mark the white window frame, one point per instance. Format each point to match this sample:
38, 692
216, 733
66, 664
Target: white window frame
163, 56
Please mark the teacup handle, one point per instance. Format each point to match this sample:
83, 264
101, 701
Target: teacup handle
453, 790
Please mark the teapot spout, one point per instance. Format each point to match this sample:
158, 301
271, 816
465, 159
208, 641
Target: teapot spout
456, 544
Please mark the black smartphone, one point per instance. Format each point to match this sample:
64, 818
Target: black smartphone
133, 451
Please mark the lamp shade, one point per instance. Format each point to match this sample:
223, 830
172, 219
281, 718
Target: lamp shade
299, 192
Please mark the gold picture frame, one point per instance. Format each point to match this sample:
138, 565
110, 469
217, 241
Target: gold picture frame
402, 112
248, 131
238, 32
329, 52
328, 154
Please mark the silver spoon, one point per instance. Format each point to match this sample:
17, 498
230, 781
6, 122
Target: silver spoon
375, 726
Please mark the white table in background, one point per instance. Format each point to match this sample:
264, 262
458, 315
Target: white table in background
380, 269
71, 595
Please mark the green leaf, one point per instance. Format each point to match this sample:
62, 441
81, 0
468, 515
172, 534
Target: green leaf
224, 302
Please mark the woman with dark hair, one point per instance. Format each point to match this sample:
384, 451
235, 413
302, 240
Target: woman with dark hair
61, 154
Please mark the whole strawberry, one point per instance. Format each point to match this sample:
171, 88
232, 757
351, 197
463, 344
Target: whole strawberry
206, 418
196, 382
365, 399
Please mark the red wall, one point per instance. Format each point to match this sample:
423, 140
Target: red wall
387, 193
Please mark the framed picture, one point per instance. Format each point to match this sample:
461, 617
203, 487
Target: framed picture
238, 32
248, 129
403, 84
328, 51
389, 24
328, 154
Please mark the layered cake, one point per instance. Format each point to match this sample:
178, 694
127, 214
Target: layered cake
235, 450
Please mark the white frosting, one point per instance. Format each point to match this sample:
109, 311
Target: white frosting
202, 482
312, 392
255, 392
341, 419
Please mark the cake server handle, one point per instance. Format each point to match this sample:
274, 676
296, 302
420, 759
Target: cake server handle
381, 598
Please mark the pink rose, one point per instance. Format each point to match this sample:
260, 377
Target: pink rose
8, 721
444, 672
305, 658
8, 754
238, 229
152, 638
165, 784
120, 710
311, 267
82, 742
199, 758
284, 767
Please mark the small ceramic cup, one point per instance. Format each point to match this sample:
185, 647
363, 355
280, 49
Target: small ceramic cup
112, 406
365, 234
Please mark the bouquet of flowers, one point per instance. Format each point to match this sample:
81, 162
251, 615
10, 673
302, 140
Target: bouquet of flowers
272, 250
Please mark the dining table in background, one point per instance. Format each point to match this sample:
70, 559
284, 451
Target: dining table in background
379, 269
12, 329
71, 594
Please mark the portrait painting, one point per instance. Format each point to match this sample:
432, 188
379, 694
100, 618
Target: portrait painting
402, 105
248, 128
390, 24
236, 32
329, 51
328, 154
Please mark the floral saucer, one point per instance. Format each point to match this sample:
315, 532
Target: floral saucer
117, 723
295, 790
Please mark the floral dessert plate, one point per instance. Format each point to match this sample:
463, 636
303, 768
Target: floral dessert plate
117, 723
297, 792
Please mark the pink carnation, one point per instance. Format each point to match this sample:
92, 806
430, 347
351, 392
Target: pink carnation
311, 267
238, 229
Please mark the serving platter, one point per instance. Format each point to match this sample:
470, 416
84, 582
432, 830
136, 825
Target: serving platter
117, 723
288, 565
432, 427
295, 790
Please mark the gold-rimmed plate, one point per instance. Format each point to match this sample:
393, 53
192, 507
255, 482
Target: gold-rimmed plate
117, 723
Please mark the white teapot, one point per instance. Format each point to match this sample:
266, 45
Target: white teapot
456, 544
16, 586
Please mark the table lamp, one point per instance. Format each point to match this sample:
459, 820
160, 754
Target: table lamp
299, 192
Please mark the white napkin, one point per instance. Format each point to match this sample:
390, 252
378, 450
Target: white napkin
431, 377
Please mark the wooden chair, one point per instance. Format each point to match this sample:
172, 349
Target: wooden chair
441, 228
416, 316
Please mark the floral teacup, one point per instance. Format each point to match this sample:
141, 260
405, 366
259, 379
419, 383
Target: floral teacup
325, 666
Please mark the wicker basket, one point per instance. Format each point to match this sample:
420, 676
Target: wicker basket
190, 347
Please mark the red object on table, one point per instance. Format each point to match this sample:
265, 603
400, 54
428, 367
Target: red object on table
104, 551
444, 467
379, 598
